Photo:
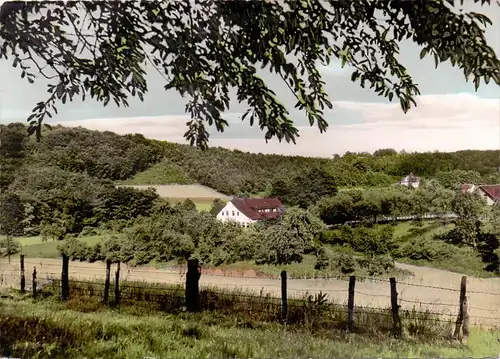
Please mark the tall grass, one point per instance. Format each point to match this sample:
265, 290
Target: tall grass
48, 328
315, 312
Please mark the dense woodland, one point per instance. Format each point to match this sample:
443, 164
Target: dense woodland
106, 155
64, 187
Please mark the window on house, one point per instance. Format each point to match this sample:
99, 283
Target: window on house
237, 213
233, 213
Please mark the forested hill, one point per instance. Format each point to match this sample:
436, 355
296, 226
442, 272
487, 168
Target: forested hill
133, 158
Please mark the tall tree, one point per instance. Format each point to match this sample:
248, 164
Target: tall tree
306, 189
216, 207
11, 220
469, 209
203, 49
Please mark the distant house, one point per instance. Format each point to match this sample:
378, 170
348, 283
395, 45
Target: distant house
410, 181
490, 192
250, 210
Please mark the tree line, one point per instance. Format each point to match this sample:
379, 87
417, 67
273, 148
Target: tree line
106, 155
180, 232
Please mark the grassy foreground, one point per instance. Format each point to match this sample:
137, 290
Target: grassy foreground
50, 329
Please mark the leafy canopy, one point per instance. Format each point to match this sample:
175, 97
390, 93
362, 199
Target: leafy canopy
203, 49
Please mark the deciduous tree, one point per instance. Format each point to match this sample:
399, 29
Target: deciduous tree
11, 221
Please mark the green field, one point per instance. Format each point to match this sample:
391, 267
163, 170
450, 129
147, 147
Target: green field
161, 173
202, 204
51, 329
35, 247
202, 196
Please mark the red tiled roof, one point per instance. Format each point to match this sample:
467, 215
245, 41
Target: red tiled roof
250, 207
492, 191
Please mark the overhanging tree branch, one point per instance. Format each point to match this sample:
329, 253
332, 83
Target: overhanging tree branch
186, 39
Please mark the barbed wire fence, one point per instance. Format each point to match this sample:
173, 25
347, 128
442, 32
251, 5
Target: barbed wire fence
280, 299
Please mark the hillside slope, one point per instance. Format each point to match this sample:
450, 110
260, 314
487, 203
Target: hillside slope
133, 159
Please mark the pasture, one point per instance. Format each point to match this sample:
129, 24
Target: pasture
202, 196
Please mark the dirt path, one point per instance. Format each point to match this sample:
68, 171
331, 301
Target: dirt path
421, 288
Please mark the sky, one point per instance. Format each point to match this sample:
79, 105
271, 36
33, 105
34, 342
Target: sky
450, 115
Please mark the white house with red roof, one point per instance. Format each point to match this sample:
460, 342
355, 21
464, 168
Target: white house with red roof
250, 210
490, 192
410, 181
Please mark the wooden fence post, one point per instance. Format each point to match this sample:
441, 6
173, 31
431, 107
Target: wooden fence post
23, 279
65, 278
350, 304
107, 281
193, 286
465, 323
461, 309
397, 328
117, 284
34, 282
284, 300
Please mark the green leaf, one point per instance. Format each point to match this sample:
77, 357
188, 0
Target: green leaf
423, 52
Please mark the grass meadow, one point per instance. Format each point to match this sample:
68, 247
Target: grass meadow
202, 196
163, 173
35, 247
84, 327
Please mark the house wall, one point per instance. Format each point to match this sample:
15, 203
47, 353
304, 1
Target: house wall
489, 201
231, 213
472, 189
415, 184
406, 183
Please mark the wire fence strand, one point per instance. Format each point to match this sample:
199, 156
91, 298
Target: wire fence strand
243, 296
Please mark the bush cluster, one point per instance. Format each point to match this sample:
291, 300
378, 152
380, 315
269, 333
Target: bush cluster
174, 233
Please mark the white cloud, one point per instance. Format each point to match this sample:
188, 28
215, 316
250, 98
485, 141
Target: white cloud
170, 128
439, 122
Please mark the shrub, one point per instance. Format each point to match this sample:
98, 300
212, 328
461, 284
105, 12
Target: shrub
347, 263
9, 246
74, 249
322, 261
380, 265
424, 249
89, 231
372, 242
